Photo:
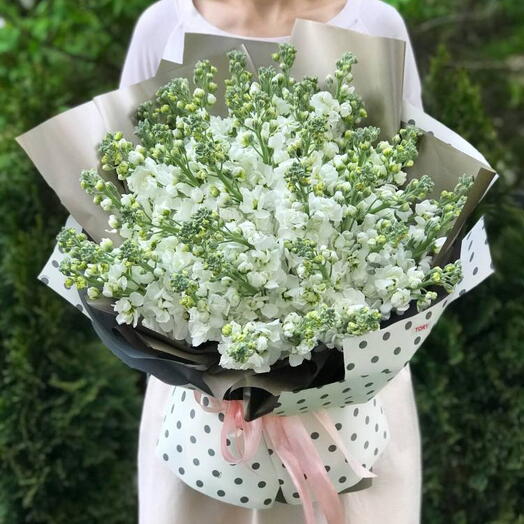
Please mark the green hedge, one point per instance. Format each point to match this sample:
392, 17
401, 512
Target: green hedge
468, 375
69, 411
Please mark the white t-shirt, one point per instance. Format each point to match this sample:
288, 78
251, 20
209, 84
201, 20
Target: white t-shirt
159, 33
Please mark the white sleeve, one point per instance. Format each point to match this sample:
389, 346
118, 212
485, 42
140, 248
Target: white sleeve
135, 65
147, 43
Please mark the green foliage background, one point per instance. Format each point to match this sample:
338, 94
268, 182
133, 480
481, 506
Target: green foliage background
69, 411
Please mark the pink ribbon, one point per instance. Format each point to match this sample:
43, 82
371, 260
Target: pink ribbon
290, 440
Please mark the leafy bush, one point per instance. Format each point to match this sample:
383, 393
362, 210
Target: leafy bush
69, 410
468, 376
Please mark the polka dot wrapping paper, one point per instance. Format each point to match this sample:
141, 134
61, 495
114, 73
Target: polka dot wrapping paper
189, 441
189, 444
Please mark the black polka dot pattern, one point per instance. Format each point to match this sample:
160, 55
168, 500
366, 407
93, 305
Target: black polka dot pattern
199, 462
372, 360
190, 447
353, 390
361, 429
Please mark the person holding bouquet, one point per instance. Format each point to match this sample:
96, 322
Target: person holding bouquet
395, 495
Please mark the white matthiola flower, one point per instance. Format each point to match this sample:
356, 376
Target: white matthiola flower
386, 279
106, 204
128, 309
270, 310
330, 149
282, 107
415, 276
256, 238
135, 157
253, 346
199, 326
324, 103
329, 174
326, 207
220, 126
400, 178
278, 142
400, 299
417, 232
291, 222
345, 109
257, 279
197, 195
125, 311
252, 200
426, 208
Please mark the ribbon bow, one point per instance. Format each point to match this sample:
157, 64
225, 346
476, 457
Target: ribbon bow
291, 442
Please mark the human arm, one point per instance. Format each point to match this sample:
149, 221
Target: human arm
148, 41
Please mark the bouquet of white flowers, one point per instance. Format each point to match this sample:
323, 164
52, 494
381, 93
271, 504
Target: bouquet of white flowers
281, 228
266, 248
